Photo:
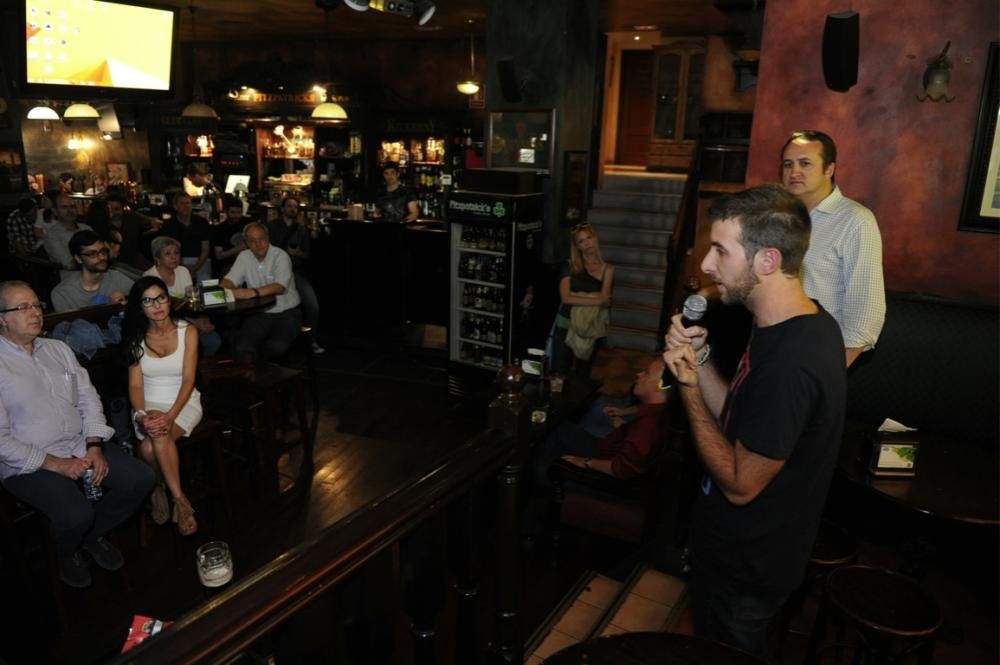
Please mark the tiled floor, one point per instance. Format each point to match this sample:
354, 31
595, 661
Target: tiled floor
654, 602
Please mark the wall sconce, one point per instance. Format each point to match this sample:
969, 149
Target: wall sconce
937, 76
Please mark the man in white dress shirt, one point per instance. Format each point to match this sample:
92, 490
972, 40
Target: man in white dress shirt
264, 270
843, 266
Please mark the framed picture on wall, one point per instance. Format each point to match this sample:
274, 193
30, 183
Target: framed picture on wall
521, 139
13, 175
981, 203
117, 173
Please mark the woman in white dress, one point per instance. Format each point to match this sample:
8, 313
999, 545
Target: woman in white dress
163, 359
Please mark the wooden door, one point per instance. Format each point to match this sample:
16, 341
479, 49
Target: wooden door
678, 70
635, 109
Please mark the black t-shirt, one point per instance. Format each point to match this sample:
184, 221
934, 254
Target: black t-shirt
394, 204
222, 235
190, 236
786, 402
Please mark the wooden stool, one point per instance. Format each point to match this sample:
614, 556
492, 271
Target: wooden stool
650, 649
205, 434
892, 616
834, 547
272, 389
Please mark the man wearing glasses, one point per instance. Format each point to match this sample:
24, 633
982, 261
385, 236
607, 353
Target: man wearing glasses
95, 283
52, 432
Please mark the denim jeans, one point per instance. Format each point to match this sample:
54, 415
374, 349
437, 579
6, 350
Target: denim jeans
739, 619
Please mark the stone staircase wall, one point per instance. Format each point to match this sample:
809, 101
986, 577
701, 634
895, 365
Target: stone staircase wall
634, 216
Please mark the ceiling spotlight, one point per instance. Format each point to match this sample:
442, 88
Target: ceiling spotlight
424, 10
357, 5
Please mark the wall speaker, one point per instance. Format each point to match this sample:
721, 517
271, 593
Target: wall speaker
510, 85
840, 50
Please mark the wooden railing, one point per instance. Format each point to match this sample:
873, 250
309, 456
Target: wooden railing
680, 245
225, 626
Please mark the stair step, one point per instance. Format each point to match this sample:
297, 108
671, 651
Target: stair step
637, 201
639, 317
622, 235
601, 217
621, 337
641, 182
653, 278
639, 295
634, 256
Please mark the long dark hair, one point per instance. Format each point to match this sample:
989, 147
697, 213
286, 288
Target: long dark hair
136, 321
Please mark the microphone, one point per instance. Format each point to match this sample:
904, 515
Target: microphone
692, 312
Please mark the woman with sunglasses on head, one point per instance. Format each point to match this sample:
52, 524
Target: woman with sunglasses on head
163, 359
585, 286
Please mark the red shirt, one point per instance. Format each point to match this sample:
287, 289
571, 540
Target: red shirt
631, 447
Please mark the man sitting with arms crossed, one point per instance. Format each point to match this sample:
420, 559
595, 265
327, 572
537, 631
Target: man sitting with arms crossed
769, 439
52, 430
264, 270
95, 283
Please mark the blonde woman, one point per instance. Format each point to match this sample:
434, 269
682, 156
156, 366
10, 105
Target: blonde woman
585, 286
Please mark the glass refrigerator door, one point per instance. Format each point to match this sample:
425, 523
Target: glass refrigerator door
480, 313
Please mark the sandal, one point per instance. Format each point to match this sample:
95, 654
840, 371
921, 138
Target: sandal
184, 516
158, 504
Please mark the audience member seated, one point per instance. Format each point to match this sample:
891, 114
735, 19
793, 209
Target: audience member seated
264, 270
132, 227
624, 453
288, 233
227, 237
95, 283
115, 249
21, 228
193, 232
167, 267
163, 360
59, 232
52, 432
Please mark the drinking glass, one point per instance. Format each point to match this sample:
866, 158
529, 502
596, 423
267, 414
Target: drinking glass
215, 563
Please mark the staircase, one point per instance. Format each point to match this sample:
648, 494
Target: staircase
634, 214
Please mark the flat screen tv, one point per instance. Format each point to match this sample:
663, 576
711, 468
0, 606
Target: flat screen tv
95, 48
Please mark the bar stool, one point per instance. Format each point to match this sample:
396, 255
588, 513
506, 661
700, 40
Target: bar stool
200, 490
834, 547
892, 615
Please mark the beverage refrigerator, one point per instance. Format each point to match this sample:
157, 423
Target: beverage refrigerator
496, 262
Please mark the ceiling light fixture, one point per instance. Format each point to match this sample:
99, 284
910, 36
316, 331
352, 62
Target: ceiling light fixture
471, 85
42, 112
327, 110
197, 108
81, 112
422, 10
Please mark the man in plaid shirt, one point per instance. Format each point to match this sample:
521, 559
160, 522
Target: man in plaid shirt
21, 228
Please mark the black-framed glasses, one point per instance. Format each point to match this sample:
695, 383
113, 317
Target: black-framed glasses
25, 306
158, 300
96, 252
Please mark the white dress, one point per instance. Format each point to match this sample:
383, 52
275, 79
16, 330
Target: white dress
161, 381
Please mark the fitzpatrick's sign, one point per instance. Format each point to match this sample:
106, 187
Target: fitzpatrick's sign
483, 207
252, 98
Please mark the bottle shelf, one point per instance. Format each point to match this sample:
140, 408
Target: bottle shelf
489, 252
483, 312
481, 282
477, 342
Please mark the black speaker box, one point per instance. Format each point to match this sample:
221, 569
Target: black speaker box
840, 50
509, 84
